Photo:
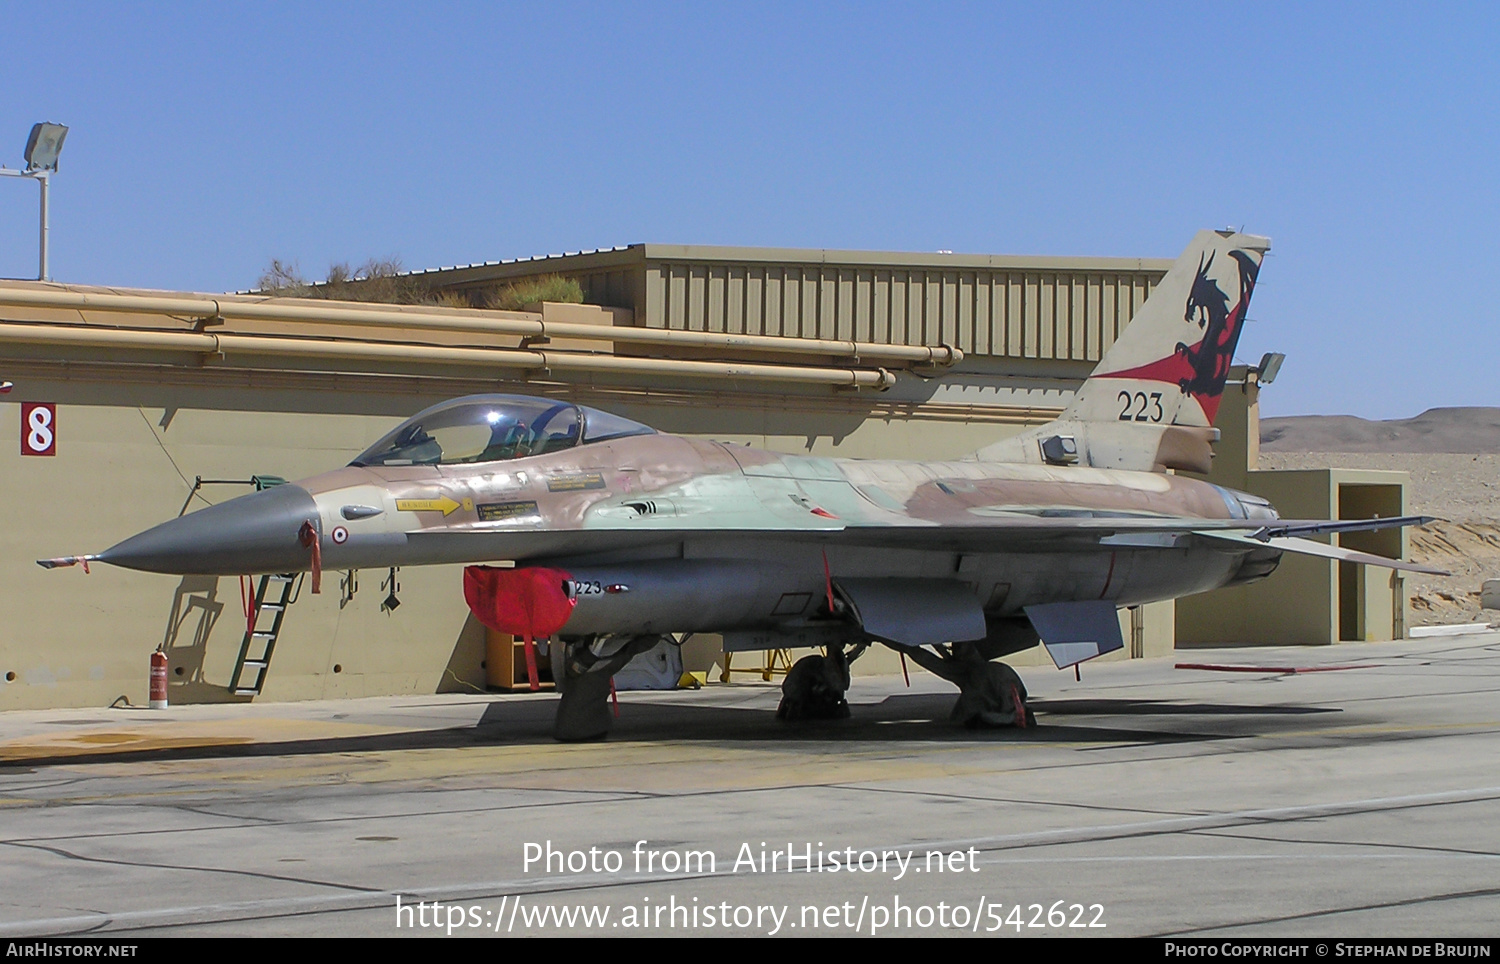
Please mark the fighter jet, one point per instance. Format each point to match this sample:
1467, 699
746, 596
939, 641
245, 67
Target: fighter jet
614, 536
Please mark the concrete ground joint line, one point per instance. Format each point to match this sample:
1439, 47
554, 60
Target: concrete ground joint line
1014, 800
261, 821
1346, 843
1228, 818
1312, 915
349, 818
59, 852
1221, 858
365, 900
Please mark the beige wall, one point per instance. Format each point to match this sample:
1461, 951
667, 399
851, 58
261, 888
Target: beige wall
75, 639
1296, 605
1302, 602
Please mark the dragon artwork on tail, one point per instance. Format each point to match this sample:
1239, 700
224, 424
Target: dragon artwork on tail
1209, 307
1200, 369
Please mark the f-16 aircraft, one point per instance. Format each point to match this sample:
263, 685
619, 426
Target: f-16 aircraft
617, 535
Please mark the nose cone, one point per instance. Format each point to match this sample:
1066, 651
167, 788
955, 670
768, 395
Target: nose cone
252, 534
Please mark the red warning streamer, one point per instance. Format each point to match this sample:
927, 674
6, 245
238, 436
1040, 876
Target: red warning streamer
247, 600
308, 536
1015, 695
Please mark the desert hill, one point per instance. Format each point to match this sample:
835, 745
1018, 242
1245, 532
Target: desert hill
1463, 492
1453, 456
1473, 431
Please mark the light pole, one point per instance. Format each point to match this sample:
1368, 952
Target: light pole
42, 148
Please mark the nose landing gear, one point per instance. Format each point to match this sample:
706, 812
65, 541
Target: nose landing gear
814, 688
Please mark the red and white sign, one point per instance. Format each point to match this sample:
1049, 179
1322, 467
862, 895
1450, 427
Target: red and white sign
340, 535
38, 428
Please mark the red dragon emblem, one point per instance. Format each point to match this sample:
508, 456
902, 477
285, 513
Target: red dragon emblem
1200, 369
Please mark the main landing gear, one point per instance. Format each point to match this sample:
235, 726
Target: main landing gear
990, 693
583, 670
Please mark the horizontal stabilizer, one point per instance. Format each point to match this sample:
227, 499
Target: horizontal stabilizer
914, 612
1077, 631
1308, 547
1342, 525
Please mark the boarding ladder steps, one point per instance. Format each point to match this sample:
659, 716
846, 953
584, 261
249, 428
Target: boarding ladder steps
272, 596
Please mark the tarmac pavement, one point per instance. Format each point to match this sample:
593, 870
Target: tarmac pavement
1362, 800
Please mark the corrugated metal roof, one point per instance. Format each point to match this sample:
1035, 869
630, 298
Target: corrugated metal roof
1016, 306
831, 256
504, 261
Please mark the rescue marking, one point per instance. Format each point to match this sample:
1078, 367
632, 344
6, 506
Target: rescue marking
444, 505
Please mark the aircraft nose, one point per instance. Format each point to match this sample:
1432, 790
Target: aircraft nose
255, 533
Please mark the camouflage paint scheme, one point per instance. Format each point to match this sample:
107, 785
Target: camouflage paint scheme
662, 497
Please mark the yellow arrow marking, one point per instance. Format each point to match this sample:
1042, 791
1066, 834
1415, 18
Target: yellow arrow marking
444, 505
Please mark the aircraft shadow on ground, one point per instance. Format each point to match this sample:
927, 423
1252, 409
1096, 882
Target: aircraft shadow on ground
1101, 707
904, 718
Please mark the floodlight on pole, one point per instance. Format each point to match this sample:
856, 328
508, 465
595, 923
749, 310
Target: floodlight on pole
42, 149
43, 146
1270, 365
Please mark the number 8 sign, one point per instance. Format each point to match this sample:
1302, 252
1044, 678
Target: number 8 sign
38, 428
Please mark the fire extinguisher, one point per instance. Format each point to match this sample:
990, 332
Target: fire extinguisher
158, 680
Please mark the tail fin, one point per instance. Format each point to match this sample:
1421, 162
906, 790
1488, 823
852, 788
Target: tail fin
1150, 404
1169, 365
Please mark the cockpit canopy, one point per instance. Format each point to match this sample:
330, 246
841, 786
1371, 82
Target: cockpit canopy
495, 428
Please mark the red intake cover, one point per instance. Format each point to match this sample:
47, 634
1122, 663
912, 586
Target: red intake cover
522, 602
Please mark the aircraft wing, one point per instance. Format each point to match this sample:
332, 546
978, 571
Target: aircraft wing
982, 534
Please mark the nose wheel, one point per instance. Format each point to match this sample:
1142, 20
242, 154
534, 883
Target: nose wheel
814, 687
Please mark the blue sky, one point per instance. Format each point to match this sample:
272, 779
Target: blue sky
1362, 138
